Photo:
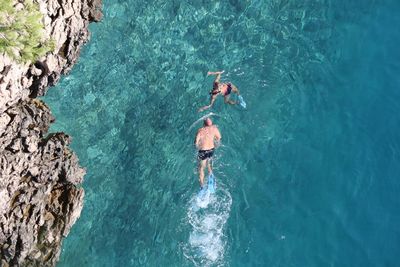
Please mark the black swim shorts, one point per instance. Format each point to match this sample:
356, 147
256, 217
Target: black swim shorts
205, 154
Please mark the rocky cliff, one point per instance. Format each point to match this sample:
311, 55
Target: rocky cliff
40, 193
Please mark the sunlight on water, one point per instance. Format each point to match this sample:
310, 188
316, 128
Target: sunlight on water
307, 173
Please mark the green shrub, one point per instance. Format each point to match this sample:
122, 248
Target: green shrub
22, 32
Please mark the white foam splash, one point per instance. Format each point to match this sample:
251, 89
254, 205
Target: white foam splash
207, 216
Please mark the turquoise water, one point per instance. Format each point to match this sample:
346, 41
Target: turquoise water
307, 175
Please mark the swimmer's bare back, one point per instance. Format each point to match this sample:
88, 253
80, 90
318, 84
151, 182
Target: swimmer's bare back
207, 135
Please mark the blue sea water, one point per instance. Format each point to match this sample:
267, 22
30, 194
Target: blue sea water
307, 175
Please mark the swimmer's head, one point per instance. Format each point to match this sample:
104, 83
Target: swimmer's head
207, 122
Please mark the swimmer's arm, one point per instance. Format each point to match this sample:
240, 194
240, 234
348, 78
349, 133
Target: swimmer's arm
217, 136
203, 108
197, 140
209, 106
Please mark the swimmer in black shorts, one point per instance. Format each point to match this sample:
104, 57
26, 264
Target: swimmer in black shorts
206, 139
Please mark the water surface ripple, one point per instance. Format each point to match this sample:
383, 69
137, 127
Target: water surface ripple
308, 174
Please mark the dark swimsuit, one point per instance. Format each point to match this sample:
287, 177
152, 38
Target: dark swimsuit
216, 92
205, 154
229, 90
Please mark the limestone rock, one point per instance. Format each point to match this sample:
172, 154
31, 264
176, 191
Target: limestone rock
40, 200
40, 177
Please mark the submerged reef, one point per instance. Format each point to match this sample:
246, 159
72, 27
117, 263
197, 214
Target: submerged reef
40, 177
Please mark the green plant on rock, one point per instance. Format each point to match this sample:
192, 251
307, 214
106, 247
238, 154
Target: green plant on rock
22, 31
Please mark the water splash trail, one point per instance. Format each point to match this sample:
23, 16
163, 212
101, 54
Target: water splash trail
208, 216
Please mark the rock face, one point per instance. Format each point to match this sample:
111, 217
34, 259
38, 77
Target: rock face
40, 177
66, 22
40, 199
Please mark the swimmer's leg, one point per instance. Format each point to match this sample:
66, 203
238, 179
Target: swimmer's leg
209, 166
202, 165
228, 100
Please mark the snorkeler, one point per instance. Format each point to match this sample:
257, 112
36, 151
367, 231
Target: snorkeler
219, 88
206, 139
